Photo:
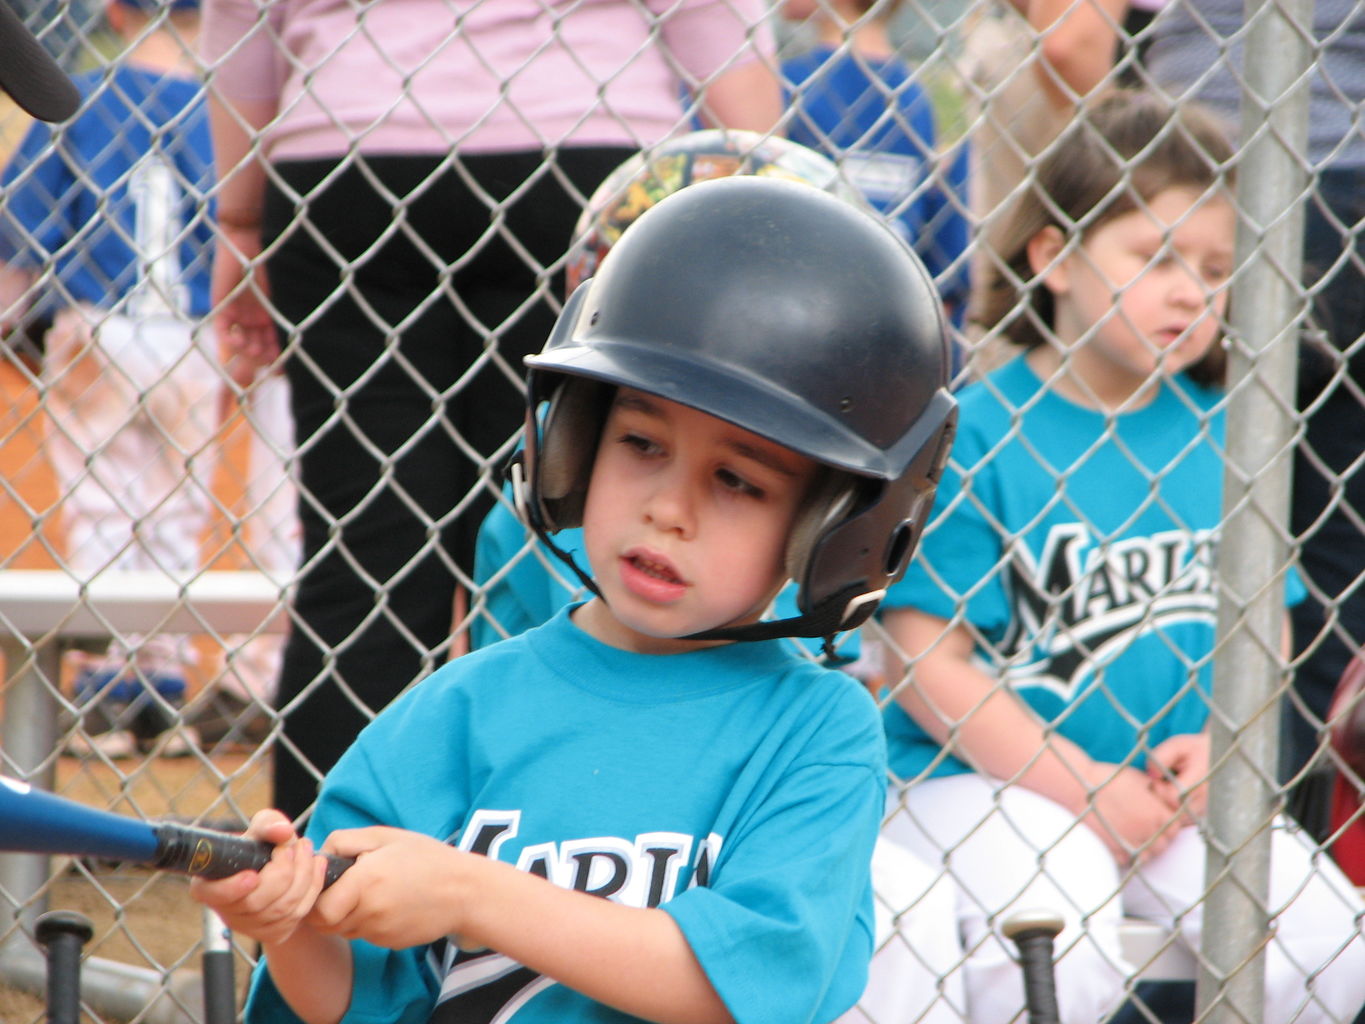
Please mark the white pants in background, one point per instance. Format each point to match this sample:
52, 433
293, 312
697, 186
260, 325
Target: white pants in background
271, 530
134, 440
1009, 848
132, 418
913, 977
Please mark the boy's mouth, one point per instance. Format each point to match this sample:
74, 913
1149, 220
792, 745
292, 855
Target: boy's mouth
652, 577
654, 569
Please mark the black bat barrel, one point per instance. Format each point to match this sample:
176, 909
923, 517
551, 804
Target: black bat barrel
63, 933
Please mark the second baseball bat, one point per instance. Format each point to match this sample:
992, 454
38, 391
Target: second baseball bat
1033, 931
33, 821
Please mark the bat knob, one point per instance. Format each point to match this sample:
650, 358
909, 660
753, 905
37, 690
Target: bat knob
1033, 930
55, 924
1023, 924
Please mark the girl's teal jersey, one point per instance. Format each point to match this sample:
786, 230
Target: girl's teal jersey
1081, 547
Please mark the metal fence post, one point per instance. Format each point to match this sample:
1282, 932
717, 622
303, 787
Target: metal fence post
1266, 305
28, 737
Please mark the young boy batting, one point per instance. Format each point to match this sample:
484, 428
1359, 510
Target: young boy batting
625, 811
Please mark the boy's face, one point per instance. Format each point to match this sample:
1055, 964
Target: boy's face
686, 524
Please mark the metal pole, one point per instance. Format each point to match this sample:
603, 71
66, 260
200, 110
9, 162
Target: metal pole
220, 984
28, 738
1267, 304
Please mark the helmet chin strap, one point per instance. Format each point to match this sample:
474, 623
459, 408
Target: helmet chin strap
517, 475
847, 609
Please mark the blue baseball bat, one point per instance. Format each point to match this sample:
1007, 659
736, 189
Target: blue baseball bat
34, 821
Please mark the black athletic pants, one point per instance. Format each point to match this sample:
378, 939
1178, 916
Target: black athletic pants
406, 311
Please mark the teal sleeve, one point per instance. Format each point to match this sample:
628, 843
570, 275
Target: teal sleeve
784, 928
1295, 590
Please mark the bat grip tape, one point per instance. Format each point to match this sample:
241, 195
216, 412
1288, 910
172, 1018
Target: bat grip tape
1040, 990
210, 854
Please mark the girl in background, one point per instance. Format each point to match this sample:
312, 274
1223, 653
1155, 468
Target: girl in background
1060, 621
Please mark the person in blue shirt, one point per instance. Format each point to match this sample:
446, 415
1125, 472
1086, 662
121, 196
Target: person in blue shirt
105, 235
649, 807
853, 98
1060, 623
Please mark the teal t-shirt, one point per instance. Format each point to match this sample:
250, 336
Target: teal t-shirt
1081, 547
738, 787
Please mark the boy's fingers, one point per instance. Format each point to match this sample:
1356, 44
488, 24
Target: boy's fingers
334, 906
352, 842
225, 892
305, 883
271, 826
1167, 792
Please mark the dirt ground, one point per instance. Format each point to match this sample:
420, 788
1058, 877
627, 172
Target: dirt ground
140, 917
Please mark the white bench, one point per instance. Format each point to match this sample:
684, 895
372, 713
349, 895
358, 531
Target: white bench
1157, 954
44, 604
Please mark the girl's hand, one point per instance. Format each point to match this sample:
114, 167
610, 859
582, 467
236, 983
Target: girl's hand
1133, 821
269, 904
405, 889
1179, 772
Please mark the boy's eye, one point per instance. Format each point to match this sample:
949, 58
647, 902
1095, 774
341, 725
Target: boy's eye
734, 482
639, 443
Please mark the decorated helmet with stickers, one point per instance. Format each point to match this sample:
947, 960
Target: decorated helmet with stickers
653, 174
794, 315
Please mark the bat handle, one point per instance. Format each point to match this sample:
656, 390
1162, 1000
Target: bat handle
209, 854
1032, 931
63, 933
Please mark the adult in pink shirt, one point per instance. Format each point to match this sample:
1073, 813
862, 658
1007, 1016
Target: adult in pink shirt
399, 183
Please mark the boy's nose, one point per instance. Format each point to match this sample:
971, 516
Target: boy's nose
668, 507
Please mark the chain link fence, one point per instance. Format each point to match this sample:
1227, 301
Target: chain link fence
187, 556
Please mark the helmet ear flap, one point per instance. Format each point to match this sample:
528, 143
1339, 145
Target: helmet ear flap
568, 444
830, 499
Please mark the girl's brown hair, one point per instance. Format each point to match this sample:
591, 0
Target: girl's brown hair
1118, 155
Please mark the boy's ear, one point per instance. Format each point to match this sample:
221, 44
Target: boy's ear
1045, 259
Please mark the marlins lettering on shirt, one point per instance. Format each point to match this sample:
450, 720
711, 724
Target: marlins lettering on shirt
479, 985
1082, 602
639, 872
